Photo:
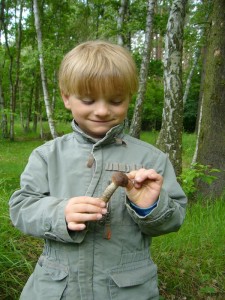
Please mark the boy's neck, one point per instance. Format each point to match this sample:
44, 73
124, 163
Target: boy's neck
94, 138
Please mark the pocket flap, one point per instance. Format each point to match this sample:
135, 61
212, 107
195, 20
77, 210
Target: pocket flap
56, 270
135, 276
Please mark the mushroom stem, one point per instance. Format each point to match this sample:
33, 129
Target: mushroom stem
118, 179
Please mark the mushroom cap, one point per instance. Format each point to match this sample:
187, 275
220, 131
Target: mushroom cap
120, 179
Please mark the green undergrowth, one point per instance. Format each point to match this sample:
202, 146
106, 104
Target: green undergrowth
191, 261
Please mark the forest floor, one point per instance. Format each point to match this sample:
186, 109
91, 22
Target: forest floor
191, 262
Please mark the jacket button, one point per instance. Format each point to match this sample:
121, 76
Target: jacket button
47, 226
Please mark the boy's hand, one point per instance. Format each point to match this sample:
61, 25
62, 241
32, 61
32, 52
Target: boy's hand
144, 187
83, 209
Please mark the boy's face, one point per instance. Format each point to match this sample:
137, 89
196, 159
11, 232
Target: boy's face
96, 114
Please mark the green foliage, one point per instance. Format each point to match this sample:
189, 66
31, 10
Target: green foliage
196, 172
191, 105
153, 105
156, 68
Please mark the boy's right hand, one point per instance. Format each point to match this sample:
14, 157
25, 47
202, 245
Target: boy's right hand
83, 209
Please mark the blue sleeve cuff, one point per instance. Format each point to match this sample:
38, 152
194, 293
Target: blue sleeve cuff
143, 211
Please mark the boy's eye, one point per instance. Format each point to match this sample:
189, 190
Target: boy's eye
87, 101
116, 102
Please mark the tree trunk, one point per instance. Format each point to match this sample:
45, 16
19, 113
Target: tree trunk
54, 90
29, 111
3, 120
37, 105
158, 35
42, 69
211, 141
120, 21
190, 75
135, 128
170, 137
14, 82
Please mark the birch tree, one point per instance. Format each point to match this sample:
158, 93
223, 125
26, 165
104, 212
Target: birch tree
120, 21
42, 70
170, 137
190, 75
210, 148
135, 128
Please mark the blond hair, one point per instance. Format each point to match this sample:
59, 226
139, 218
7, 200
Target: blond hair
97, 67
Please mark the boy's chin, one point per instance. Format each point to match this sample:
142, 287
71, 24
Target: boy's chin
98, 135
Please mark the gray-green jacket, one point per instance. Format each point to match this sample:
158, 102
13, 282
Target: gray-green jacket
84, 265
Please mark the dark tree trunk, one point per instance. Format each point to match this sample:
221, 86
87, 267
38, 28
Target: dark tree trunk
211, 142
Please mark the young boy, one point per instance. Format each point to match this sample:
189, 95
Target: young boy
93, 250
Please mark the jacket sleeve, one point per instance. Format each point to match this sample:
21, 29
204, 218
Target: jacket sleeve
34, 211
169, 213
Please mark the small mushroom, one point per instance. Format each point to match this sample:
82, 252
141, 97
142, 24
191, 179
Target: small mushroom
118, 179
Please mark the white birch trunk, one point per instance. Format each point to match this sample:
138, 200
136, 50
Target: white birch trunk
135, 128
42, 69
190, 75
194, 159
120, 21
170, 138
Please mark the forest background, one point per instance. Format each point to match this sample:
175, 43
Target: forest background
35, 35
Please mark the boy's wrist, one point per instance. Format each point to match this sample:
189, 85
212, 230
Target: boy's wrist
143, 211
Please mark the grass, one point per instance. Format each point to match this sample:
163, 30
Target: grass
190, 262
17, 252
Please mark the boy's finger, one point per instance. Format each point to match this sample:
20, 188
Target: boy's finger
84, 217
88, 208
76, 226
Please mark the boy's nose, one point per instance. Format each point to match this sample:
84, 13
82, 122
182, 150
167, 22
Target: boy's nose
101, 109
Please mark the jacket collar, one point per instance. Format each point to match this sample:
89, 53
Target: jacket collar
113, 135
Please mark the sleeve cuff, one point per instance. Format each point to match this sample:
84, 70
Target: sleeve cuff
143, 211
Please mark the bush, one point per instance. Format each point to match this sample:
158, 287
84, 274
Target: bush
196, 172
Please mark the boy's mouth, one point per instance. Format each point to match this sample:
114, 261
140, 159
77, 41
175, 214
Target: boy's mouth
101, 121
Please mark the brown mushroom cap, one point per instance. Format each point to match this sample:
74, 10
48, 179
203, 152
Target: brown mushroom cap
120, 179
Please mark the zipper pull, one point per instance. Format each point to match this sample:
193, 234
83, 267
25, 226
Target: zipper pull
90, 161
107, 230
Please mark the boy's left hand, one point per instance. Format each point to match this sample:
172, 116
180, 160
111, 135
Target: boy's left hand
144, 187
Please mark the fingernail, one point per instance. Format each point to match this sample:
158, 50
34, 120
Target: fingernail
104, 211
99, 217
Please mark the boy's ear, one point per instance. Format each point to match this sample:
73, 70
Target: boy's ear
66, 100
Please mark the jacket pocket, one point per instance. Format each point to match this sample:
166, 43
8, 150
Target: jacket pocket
48, 281
134, 281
